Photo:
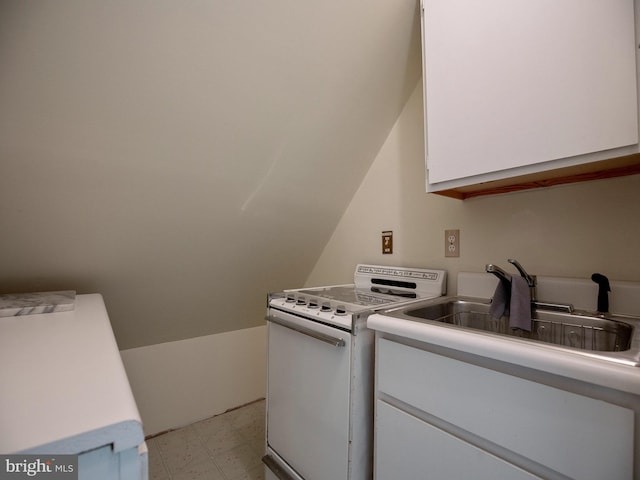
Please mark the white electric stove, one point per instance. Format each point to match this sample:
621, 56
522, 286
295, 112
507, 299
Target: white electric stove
320, 371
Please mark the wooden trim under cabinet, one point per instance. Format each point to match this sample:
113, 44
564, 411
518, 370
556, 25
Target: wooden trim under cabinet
616, 167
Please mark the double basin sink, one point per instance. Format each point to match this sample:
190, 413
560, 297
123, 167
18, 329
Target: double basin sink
611, 337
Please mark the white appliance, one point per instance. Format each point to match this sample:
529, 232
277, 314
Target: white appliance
320, 371
65, 392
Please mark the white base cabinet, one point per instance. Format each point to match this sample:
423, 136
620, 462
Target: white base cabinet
91, 412
442, 418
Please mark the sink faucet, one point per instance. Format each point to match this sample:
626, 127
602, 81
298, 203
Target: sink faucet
531, 279
505, 277
532, 282
498, 272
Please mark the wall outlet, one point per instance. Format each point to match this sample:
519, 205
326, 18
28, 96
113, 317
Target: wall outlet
452, 243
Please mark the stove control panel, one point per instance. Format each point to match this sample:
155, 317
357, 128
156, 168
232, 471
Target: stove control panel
326, 311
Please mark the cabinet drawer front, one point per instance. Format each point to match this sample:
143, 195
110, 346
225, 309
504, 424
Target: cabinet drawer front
408, 448
575, 435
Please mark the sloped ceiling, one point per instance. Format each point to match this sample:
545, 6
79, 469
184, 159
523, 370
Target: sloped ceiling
185, 158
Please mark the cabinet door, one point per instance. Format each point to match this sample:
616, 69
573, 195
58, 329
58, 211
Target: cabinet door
513, 83
408, 448
574, 435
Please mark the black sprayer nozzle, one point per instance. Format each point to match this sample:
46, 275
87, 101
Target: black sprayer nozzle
603, 288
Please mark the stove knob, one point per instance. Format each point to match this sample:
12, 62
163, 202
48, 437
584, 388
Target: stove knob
301, 301
291, 299
326, 307
313, 304
341, 310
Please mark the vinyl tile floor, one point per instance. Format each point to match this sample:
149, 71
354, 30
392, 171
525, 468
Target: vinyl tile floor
225, 447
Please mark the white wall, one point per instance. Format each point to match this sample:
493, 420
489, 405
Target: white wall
181, 382
571, 230
183, 158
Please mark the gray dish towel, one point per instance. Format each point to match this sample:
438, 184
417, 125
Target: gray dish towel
500, 302
520, 305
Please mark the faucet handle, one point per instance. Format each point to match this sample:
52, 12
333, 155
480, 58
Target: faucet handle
498, 272
531, 279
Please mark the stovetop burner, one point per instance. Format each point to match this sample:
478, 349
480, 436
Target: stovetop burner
349, 294
375, 289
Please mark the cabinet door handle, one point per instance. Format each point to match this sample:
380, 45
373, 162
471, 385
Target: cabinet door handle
334, 341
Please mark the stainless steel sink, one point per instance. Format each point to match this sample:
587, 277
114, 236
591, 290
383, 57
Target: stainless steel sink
612, 337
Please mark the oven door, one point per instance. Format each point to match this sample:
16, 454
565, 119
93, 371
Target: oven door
308, 396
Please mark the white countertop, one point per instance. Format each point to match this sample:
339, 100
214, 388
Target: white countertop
582, 293
63, 385
536, 355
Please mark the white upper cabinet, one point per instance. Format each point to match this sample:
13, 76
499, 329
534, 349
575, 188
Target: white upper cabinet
518, 87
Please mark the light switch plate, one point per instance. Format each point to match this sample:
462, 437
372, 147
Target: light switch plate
387, 242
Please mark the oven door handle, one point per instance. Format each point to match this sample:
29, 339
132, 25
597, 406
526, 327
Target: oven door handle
333, 341
275, 468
